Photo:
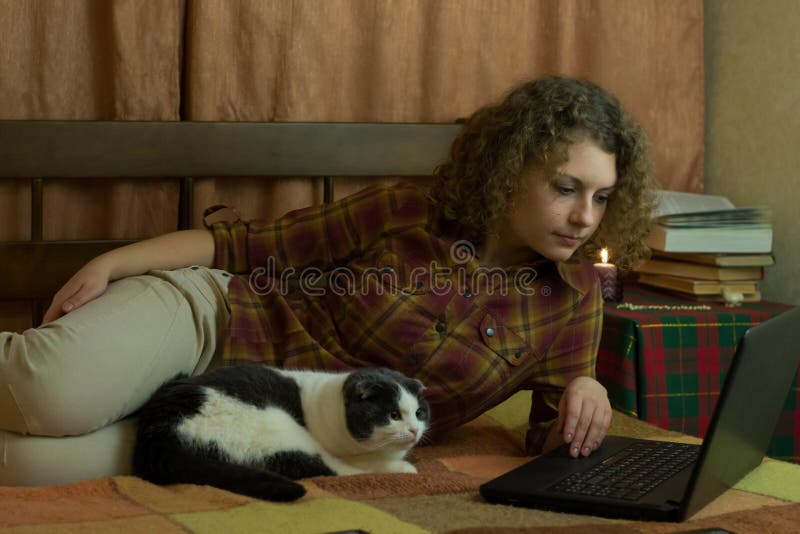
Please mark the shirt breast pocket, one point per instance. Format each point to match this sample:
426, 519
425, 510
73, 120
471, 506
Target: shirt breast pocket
505, 342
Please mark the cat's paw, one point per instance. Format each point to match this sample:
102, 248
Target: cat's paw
346, 470
404, 467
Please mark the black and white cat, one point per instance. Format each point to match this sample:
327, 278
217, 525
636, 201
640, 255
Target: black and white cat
253, 430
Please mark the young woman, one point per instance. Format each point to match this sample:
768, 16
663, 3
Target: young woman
479, 288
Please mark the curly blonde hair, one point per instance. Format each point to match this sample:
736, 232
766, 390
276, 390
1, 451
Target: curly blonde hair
534, 125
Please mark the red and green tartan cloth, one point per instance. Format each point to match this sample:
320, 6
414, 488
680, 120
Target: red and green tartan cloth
665, 361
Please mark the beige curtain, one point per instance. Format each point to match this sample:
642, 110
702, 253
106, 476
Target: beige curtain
435, 61
84, 59
313, 60
68, 59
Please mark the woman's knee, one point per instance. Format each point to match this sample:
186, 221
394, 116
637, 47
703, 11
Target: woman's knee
38, 461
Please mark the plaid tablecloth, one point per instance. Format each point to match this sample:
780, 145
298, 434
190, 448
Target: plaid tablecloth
664, 360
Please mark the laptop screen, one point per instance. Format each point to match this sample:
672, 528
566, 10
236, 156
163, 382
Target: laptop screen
748, 408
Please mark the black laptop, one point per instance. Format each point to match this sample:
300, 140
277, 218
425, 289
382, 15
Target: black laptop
663, 481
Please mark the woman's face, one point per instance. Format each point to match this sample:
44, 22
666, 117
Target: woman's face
556, 215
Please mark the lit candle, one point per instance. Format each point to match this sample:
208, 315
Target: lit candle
610, 284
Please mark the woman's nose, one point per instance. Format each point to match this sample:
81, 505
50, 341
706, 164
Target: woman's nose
582, 213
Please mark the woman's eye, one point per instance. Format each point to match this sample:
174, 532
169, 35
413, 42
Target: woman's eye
395, 415
601, 199
565, 190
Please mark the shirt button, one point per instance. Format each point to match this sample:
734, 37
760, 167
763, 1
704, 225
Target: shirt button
412, 360
420, 285
490, 332
518, 354
467, 293
440, 327
388, 268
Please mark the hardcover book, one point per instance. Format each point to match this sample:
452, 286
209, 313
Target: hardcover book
719, 259
690, 222
698, 287
700, 271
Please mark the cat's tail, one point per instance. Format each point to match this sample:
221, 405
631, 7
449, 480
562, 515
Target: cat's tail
176, 467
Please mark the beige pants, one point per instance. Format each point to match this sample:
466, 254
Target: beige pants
66, 387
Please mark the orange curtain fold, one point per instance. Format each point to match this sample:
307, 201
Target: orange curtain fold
333, 60
89, 60
422, 61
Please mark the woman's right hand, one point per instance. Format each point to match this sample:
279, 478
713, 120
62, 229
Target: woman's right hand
87, 284
169, 251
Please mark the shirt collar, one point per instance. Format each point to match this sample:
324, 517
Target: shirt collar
578, 273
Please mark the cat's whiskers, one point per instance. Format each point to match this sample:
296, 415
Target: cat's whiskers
424, 439
390, 439
405, 439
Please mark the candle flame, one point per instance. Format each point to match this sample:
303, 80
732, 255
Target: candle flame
604, 255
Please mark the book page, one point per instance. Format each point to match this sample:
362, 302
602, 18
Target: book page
673, 202
736, 217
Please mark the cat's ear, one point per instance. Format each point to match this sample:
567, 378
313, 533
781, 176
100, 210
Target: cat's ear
415, 386
364, 388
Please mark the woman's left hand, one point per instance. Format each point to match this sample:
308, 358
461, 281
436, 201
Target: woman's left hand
584, 415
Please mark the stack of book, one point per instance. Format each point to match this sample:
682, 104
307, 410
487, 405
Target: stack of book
705, 248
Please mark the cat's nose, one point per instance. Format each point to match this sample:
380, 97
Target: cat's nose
414, 431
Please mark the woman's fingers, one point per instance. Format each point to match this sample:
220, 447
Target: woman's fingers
578, 413
579, 444
85, 293
586, 413
56, 308
597, 430
72, 296
570, 409
53, 312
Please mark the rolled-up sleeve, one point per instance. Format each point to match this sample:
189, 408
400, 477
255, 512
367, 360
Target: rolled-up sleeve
317, 236
230, 246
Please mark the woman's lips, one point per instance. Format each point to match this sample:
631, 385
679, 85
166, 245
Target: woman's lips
568, 241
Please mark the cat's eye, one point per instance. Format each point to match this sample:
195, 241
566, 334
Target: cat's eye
420, 413
395, 415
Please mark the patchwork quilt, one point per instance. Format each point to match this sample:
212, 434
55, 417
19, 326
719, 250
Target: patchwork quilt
443, 497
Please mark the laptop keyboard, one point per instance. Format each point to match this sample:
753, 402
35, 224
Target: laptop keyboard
632, 472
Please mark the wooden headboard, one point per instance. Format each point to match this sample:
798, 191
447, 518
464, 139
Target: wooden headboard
40, 150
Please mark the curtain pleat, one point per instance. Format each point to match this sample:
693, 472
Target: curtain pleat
332, 60
89, 60
417, 60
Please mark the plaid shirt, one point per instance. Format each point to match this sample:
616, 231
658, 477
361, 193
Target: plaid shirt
371, 280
